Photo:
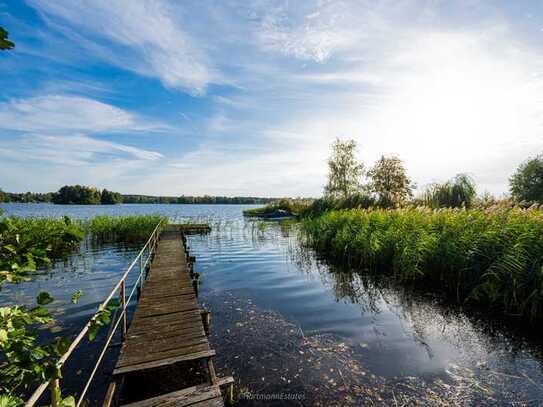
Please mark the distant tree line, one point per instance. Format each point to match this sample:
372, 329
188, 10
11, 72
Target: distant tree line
206, 199
84, 195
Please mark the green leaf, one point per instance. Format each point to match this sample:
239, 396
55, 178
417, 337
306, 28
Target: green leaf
44, 298
61, 345
68, 402
113, 303
3, 336
76, 296
93, 330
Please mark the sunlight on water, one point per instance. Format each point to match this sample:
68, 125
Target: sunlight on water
395, 332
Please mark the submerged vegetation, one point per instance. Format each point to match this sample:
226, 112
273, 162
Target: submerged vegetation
491, 257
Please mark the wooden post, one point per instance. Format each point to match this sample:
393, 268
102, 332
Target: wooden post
206, 320
230, 394
195, 283
55, 392
212, 374
123, 308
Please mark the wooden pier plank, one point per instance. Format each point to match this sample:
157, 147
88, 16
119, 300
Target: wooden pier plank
167, 327
167, 324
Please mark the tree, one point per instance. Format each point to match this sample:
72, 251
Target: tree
110, 197
455, 193
77, 194
5, 44
526, 184
390, 182
344, 171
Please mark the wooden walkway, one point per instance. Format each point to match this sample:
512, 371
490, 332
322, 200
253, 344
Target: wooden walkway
168, 326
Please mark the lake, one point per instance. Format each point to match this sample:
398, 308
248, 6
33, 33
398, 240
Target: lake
287, 324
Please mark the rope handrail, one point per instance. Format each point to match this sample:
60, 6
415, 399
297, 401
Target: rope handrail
150, 246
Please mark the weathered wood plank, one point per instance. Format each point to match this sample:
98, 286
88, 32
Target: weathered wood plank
164, 362
181, 398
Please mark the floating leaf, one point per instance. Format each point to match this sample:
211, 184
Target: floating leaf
44, 298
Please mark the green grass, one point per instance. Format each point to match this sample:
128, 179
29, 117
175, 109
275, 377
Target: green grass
136, 228
491, 257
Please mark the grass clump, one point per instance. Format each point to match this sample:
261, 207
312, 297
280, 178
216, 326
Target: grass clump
491, 257
292, 207
132, 229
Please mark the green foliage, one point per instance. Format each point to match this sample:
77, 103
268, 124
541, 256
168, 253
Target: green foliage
5, 44
459, 192
110, 198
291, 206
76, 296
101, 318
344, 171
135, 228
28, 243
493, 257
526, 184
77, 194
390, 182
27, 361
355, 201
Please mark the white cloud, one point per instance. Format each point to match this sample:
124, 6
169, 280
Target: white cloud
448, 86
62, 113
76, 150
147, 29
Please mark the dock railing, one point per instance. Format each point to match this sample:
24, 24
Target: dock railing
140, 262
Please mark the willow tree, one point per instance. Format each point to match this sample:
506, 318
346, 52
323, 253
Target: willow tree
344, 170
389, 181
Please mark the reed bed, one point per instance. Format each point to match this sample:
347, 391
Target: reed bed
292, 206
130, 229
491, 257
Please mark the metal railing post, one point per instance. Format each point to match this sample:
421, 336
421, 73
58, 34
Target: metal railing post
123, 308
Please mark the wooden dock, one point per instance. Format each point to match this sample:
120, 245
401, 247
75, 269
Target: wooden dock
168, 327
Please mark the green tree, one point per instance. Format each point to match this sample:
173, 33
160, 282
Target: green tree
110, 197
455, 193
390, 182
5, 44
344, 170
77, 194
2, 196
526, 184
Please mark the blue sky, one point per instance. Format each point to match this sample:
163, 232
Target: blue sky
245, 98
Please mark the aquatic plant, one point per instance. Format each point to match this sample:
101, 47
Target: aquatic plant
292, 206
133, 228
28, 243
491, 257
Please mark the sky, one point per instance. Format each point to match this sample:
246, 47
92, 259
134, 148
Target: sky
245, 98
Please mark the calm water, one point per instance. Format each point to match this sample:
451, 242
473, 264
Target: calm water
398, 334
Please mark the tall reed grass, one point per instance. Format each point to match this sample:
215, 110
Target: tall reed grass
491, 257
133, 228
